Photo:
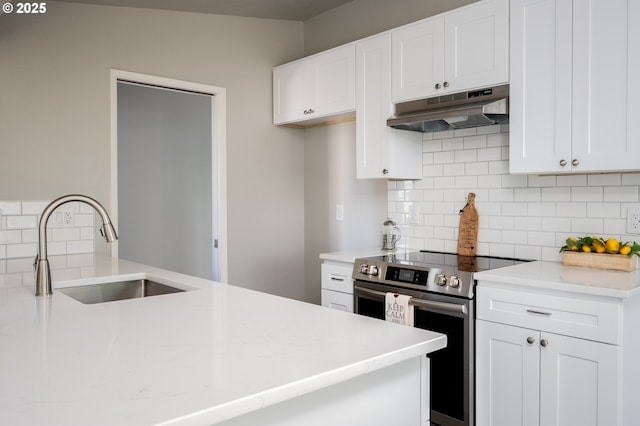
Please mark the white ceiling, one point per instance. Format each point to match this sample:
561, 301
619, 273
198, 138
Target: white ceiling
292, 10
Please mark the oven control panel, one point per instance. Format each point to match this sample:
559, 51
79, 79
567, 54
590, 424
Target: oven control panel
403, 275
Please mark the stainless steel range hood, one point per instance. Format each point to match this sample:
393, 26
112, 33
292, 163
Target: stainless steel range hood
456, 111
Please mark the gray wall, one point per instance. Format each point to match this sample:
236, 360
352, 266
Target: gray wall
54, 116
362, 18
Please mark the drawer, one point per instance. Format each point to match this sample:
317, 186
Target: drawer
569, 315
337, 300
337, 276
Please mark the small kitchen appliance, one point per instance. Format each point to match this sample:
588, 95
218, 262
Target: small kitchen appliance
390, 235
442, 290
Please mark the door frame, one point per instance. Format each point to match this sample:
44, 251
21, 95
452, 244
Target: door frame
218, 153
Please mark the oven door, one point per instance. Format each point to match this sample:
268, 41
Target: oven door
452, 368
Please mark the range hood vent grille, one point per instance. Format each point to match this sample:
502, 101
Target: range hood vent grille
455, 111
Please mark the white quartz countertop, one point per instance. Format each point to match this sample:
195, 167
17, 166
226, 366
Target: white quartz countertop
575, 279
350, 256
198, 357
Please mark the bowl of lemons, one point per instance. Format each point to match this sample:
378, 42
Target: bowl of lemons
596, 252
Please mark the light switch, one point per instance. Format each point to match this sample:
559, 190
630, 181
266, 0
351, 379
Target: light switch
339, 212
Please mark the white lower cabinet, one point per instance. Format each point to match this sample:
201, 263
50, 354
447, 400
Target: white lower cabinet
337, 285
530, 378
532, 370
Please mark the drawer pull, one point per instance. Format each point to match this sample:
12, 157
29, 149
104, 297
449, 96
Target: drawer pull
546, 314
337, 279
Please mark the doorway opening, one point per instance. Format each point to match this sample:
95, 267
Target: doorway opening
168, 168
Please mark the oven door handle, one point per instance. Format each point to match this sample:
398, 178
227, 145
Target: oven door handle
421, 303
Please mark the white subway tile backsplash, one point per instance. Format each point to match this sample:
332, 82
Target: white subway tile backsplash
479, 168
555, 194
432, 170
586, 193
454, 169
603, 210
527, 194
621, 193
22, 222
19, 234
587, 226
542, 181
485, 130
453, 144
490, 154
466, 156
572, 180
443, 157
471, 142
498, 139
612, 179
525, 216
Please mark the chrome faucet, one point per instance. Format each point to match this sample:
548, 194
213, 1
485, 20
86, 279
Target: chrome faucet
43, 272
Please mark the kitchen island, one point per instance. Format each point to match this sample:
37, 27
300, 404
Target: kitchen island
213, 354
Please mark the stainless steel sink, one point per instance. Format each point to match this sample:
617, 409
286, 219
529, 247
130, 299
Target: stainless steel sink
118, 290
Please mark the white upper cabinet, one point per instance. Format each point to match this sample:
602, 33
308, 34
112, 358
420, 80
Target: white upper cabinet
315, 88
460, 50
381, 151
574, 86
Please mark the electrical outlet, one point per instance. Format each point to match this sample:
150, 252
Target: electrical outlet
413, 214
633, 220
64, 218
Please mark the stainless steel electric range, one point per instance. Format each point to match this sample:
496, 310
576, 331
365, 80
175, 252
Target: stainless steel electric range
442, 291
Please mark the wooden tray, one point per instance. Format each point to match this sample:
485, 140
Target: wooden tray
617, 262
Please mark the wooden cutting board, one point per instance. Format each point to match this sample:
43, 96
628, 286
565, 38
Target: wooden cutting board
468, 231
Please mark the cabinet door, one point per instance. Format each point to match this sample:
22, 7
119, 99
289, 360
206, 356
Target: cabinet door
476, 46
578, 382
507, 375
540, 86
315, 87
381, 151
333, 85
418, 60
605, 88
291, 91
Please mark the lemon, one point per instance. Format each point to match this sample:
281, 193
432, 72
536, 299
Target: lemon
598, 245
572, 243
612, 245
586, 248
625, 249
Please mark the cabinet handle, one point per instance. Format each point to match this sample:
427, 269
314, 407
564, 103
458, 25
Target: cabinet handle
530, 340
531, 311
544, 342
308, 111
385, 171
438, 85
563, 163
575, 162
446, 84
337, 279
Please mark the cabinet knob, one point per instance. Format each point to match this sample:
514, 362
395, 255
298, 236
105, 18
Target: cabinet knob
563, 163
544, 342
438, 85
446, 84
385, 171
530, 340
575, 162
